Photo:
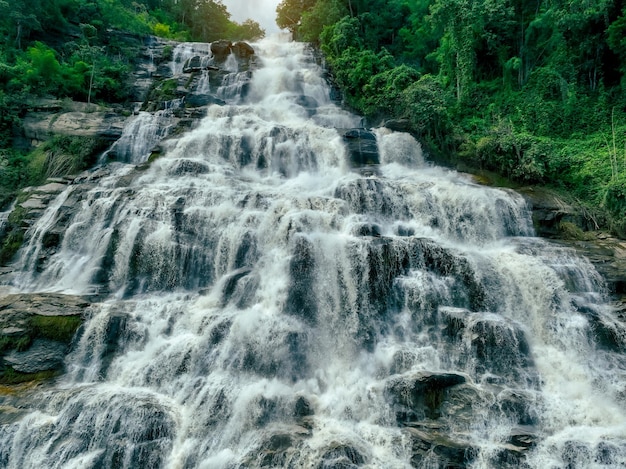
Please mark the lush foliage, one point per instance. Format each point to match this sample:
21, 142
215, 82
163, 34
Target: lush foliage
82, 50
532, 90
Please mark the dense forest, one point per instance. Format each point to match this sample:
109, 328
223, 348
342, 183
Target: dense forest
76, 49
532, 90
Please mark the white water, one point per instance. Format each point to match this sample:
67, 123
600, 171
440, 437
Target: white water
240, 283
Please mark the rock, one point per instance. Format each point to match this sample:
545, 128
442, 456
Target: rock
362, 147
194, 64
230, 284
367, 229
550, 210
398, 125
500, 347
309, 104
41, 304
302, 408
36, 330
420, 395
221, 49
242, 50
301, 301
435, 450
42, 355
341, 456
200, 100
608, 256
40, 126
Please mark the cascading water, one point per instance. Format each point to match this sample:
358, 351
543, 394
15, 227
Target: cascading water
264, 305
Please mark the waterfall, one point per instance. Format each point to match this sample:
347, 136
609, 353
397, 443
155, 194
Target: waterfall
263, 302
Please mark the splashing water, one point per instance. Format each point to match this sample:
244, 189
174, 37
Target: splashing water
264, 305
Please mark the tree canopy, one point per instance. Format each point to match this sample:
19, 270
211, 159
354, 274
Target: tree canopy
535, 90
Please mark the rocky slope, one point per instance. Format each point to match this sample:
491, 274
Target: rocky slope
168, 86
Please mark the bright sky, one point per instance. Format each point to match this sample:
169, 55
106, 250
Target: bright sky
261, 11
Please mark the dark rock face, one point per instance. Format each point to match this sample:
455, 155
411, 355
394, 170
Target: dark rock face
550, 210
42, 355
340, 456
301, 301
36, 331
362, 147
436, 450
421, 395
194, 64
221, 49
242, 50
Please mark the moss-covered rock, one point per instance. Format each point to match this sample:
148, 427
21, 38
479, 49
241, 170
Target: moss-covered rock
36, 330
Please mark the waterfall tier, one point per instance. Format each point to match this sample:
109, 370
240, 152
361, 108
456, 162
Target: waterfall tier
267, 299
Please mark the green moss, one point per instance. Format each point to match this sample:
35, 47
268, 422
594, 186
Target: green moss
19, 343
13, 235
59, 328
160, 93
10, 376
64, 155
570, 231
168, 53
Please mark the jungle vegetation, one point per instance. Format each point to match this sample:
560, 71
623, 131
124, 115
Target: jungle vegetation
84, 50
534, 90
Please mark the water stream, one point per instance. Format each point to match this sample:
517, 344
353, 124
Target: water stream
264, 304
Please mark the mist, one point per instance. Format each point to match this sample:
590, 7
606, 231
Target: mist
261, 11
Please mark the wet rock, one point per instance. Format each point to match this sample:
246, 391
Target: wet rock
402, 230
42, 355
550, 210
500, 347
301, 300
302, 408
36, 330
341, 456
435, 450
308, 103
231, 282
242, 50
398, 125
114, 334
200, 100
608, 256
516, 406
278, 449
362, 147
608, 332
274, 452
221, 49
368, 229
193, 64
420, 395
183, 167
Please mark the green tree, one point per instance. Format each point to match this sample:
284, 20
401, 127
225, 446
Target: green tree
289, 13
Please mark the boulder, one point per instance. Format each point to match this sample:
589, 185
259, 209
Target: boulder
420, 395
550, 210
42, 355
436, 450
242, 50
362, 147
36, 330
40, 126
193, 64
221, 49
341, 456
